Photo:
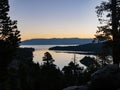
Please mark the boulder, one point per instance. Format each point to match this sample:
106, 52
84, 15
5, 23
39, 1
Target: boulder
106, 78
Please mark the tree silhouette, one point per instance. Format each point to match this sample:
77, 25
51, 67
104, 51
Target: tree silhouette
48, 60
51, 75
9, 41
72, 74
109, 16
9, 34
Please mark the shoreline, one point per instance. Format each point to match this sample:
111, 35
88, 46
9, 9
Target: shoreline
75, 52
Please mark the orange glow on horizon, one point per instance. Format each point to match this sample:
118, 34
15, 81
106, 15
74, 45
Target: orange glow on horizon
30, 36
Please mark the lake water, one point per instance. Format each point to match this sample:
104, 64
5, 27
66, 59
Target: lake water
61, 58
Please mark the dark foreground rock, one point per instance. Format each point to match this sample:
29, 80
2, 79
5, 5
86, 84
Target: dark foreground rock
107, 78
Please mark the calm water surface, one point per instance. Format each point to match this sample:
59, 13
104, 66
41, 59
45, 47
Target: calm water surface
61, 58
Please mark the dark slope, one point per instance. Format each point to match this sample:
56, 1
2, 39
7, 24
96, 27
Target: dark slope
92, 47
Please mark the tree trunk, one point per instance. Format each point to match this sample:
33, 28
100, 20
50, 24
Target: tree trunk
115, 33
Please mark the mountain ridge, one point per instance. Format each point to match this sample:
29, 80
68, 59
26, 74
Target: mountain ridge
56, 41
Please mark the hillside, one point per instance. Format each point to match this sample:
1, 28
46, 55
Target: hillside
90, 47
56, 41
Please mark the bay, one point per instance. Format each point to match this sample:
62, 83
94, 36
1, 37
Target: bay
62, 58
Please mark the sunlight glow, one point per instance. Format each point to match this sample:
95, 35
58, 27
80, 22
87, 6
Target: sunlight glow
55, 18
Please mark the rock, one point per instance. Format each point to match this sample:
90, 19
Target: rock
107, 78
110, 69
77, 88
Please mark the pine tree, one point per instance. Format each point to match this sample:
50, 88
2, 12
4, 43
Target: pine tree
8, 28
109, 16
9, 34
9, 41
48, 60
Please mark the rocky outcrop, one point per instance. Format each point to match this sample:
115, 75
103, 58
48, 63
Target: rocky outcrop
107, 78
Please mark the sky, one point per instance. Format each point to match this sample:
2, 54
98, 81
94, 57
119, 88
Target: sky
55, 18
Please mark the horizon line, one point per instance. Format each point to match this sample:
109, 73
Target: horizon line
59, 38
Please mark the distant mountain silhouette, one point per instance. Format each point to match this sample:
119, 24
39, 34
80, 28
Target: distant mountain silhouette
56, 41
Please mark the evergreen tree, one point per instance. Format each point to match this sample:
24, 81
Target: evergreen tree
109, 16
9, 34
9, 41
51, 76
48, 60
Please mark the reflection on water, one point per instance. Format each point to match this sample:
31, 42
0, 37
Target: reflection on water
61, 58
